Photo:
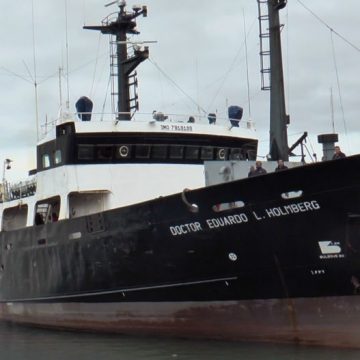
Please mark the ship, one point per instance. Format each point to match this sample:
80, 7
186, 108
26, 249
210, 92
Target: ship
150, 246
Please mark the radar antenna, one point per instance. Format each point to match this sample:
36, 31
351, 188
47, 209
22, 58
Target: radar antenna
122, 65
120, 3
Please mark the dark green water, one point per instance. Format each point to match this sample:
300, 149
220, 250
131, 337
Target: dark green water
35, 344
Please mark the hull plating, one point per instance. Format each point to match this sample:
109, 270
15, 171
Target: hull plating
160, 268
316, 321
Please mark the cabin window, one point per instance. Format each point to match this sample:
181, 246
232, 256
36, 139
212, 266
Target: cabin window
45, 161
85, 152
47, 211
142, 151
192, 152
207, 153
14, 218
159, 152
57, 157
104, 152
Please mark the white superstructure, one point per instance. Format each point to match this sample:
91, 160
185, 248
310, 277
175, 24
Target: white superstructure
85, 167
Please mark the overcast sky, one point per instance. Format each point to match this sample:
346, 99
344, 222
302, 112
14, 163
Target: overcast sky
200, 47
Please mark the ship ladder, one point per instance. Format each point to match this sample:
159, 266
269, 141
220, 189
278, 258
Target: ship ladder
264, 32
132, 81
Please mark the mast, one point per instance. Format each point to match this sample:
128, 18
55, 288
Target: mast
278, 118
271, 65
124, 24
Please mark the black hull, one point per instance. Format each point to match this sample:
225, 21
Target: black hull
276, 269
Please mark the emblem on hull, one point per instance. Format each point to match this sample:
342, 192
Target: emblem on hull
330, 250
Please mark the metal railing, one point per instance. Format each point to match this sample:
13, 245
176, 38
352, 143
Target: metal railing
18, 190
158, 116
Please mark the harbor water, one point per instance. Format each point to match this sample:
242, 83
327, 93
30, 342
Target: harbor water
18, 343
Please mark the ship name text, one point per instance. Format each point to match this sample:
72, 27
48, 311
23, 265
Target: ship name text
292, 209
243, 218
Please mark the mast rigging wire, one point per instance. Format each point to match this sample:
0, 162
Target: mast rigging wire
338, 82
177, 86
17, 75
232, 66
329, 27
95, 66
105, 99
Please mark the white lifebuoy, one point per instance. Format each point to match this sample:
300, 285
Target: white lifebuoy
123, 151
221, 154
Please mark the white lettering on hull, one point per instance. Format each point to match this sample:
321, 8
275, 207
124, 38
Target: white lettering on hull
226, 221
292, 209
185, 228
243, 218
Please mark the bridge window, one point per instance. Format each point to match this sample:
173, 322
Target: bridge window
104, 152
57, 157
85, 152
176, 152
235, 154
207, 153
142, 151
159, 152
192, 152
45, 161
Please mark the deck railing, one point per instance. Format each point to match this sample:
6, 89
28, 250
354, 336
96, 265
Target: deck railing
18, 190
155, 116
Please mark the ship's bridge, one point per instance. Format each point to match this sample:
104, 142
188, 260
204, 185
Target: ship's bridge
181, 139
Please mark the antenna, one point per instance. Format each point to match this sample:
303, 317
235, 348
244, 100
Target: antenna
332, 110
118, 2
247, 67
137, 42
60, 91
35, 75
123, 64
67, 59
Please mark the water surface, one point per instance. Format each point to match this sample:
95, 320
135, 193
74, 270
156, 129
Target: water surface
18, 342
